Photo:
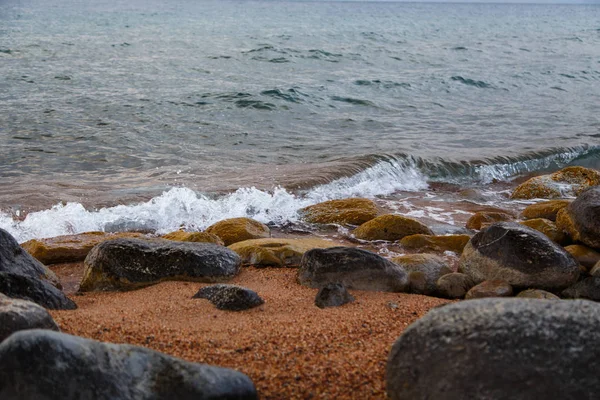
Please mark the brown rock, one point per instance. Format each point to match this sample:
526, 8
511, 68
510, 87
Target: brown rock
277, 252
581, 218
454, 285
481, 219
238, 229
595, 271
424, 270
584, 255
354, 211
390, 227
455, 243
570, 181
495, 288
548, 228
204, 237
537, 294
70, 248
545, 209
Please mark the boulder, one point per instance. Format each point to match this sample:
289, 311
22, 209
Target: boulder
570, 181
537, 294
16, 260
581, 218
454, 285
333, 295
495, 288
499, 348
519, 255
277, 252
588, 288
230, 297
390, 227
353, 211
125, 264
545, 209
482, 219
41, 364
352, 267
441, 243
238, 229
204, 237
70, 248
548, 228
424, 270
36, 290
584, 255
19, 315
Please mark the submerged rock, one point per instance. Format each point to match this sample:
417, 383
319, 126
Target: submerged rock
204, 237
19, 315
441, 243
429, 267
545, 209
354, 211
333, 295
238, 229
277, 252
36, 290
581, 219
230, 297
390, 227
96, 370
125, 264
570, 181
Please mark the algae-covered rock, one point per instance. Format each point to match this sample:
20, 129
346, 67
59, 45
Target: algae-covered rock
581, 218
354, 211
481, 219
546, 209
454, 285
203, 237
276, 252
570, 181
238, 229
390, 227
548, 228
429, 266
537, 294
437, 243
494, 288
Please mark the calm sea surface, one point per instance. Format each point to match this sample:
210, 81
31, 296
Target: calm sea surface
112, 102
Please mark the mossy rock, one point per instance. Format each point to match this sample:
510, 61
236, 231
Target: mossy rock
354, 211
570, 181
454, 243
390, 227
482, 219
235, 230
276, 252
203, 237
546, 209
548, 228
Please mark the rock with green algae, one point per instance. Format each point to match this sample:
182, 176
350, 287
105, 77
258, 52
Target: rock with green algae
352, 211
390, 227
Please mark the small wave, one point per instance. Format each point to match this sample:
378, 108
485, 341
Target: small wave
323, 55
276, 60
292, 95
472, 82
255, 104
350, 100
384, 84
459, 48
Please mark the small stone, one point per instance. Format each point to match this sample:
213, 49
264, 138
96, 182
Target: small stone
238, 229
18, 315
495, 288
482, 219
333, 295
588, 288
537, 294
581, 219
441, 243
454, 285
230, 297
424, 271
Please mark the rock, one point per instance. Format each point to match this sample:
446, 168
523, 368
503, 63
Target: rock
353, 211
482, 219
584, 255
580, 219
230, 297
431, 266
570, 181
70, 248
519, 255
545, 209
548, 228
277, 252
19, 315
495, 288
390, 227
333, 295
125, 264
238, 229
454, 243
96, 370
595, 271
588, 288
39, 291
454, 285
537, 294
498, 348
352, 267
204, 237
16, 260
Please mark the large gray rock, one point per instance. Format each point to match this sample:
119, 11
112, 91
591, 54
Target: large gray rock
581, 218
39, 291
230, 297
124, 264
499, 349
18, 315
352, 267
40, 364
16, 260
519, 255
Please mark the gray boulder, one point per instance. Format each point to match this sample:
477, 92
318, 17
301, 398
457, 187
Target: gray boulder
41, 364
230, 297
18, 315
588, 288
333, 295
519, 255
39, 291
516, 349
124, 264
352, 267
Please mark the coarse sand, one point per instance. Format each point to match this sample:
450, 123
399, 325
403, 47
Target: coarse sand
290, 348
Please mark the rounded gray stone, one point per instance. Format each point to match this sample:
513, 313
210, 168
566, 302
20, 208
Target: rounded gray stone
230, 297
18, 315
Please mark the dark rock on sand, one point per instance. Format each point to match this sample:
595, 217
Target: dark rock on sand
355, 268
39, 291
18, 315
424, 270
588, 288
124, 264
454, 285
230, 297
88, 369
581, 218
495, 288
333, 295
519, 255
517, 349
